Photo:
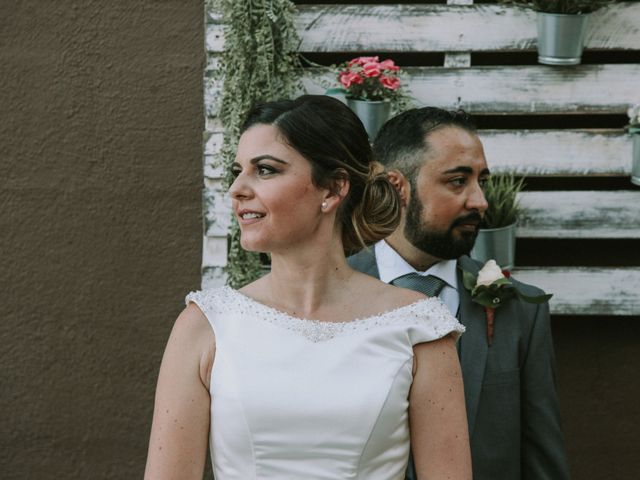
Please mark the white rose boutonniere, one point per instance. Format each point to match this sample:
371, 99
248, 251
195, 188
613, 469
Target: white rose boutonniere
489, 273
492, 287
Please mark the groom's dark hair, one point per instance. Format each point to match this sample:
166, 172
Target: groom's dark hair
403, 140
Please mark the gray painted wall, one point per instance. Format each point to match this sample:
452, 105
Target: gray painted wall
101, 121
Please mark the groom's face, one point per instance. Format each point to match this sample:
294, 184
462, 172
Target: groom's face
446, 201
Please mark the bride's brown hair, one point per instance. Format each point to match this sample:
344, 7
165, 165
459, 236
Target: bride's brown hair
332, 138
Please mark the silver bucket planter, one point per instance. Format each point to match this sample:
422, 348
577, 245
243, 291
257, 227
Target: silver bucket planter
561, 38
497, 244
371, 114
635, 162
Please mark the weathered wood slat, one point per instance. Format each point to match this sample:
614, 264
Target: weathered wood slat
440, 28
558, 152
217, 208
587, 291
551, 214
517, 89
528, 152
580, 214
214, 251
213, 277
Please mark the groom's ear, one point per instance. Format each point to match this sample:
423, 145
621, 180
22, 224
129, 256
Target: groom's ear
401, 184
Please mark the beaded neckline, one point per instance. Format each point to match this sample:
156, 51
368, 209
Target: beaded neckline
428, 311
404, 308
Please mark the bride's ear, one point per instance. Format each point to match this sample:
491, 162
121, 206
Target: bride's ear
336, 192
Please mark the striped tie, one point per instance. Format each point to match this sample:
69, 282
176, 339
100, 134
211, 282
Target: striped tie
429, 284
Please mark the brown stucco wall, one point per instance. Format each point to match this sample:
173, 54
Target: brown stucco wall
101, 119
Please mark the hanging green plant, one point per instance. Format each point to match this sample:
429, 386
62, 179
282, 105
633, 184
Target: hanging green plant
259, 63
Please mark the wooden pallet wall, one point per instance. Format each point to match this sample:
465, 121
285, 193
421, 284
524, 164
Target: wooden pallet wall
560, 127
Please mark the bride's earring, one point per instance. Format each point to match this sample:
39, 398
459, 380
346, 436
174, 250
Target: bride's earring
324, 205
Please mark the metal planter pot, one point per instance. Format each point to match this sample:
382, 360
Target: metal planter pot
561, 38
498, 244
635, 162
371, 114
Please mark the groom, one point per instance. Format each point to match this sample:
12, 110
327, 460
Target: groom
436, 161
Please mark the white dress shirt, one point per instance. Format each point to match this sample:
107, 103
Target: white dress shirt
391, 266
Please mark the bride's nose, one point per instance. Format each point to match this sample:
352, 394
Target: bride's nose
240, 187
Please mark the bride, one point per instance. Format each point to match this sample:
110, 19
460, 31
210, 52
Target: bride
314, 371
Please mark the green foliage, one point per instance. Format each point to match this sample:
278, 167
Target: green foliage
501, 193
259, 63
563, 6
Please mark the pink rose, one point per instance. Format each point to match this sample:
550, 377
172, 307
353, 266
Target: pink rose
371, 69
362, 60
392, 83
389, 65
349, 78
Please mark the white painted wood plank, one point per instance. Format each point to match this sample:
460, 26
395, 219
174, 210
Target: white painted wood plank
526, 152
457, 60
213, 277
217, 208
517, 89
440, 28
213, 144
214, 251
587, 290
212, 96
558, 152
580, 214
213, 124
213, 168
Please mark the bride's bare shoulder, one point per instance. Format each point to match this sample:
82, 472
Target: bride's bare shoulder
191, 329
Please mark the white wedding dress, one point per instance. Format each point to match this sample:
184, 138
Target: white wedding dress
310, 400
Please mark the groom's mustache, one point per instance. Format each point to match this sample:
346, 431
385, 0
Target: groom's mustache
473, 217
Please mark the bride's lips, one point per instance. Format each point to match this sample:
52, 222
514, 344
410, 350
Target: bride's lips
247, 217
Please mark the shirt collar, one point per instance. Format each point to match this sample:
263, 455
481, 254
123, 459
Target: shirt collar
391, 266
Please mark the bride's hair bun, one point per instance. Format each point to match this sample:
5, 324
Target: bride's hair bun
377, 215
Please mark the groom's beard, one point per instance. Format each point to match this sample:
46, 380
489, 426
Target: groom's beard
444, 244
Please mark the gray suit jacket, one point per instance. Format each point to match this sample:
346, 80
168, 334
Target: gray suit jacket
510, 394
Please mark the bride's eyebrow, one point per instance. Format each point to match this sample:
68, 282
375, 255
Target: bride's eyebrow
255, 160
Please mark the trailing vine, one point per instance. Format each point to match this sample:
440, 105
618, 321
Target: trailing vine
259, 63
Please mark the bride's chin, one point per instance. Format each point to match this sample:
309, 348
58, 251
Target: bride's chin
251, 246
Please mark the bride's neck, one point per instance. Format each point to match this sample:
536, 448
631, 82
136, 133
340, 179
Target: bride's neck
308, 282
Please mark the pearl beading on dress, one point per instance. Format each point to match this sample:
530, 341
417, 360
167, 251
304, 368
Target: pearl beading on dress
430, 313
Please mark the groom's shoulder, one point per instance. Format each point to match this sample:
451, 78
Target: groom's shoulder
362, 259
526, 288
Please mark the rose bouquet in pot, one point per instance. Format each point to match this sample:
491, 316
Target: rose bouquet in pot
370, 87
369, 79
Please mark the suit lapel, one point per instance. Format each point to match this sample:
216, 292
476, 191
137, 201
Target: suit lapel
473, 344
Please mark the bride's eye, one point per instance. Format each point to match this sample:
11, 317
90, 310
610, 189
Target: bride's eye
265, 170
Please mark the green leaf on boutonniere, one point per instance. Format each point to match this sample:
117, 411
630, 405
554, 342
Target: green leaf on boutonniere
468, 280
493, 295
